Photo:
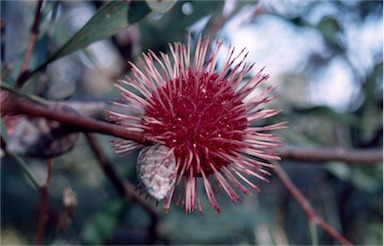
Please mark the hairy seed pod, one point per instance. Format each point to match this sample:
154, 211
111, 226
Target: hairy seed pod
156, 170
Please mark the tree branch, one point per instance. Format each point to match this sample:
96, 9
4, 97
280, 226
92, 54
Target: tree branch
30, 46
86, 124
312, 216
318, 154
124, 188
79, 123
43, 205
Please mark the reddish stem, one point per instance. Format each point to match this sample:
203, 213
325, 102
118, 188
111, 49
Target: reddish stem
80, 123
43, 205
87, 124
317, 154
125, 189
30, 45
312, 216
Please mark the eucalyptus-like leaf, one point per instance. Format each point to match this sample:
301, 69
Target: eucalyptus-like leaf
113, 17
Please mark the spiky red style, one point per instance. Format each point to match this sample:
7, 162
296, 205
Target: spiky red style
203, 115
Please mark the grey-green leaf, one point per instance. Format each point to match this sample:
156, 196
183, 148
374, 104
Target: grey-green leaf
108, 20
137, 10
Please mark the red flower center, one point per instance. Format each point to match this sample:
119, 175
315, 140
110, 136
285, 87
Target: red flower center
200, 116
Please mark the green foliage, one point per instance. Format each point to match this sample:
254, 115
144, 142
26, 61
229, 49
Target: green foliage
114, 16
348, 196
104, 224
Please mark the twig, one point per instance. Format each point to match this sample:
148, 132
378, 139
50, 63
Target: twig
312, 216
93, 109
43, 78
80, 123
30, 46
124, 188
317, 154
43, 205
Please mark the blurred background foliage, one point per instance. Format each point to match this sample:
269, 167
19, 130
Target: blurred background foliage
326, 57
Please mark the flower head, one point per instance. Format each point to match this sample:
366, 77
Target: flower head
203, 116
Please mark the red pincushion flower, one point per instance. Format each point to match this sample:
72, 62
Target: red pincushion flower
203, 115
